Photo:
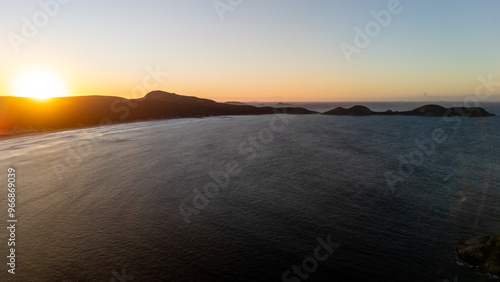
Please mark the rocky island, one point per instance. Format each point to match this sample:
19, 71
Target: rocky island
481, 252
427, 110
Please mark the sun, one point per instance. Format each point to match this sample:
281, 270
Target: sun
40, 84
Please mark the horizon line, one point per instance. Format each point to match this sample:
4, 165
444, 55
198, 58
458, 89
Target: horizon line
446, 98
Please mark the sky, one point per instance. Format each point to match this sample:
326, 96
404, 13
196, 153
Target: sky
254, 50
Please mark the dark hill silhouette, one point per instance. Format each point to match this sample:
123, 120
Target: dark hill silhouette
160, 105
427, 110
18, 114
70, 112
56, 113
352, 111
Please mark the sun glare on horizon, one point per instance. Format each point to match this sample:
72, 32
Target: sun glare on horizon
39, 84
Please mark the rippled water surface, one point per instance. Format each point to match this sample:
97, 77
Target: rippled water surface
247, 198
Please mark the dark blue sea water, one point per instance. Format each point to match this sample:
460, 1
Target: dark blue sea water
254, 198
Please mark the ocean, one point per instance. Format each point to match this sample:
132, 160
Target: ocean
254, 198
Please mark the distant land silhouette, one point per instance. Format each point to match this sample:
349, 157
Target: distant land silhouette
25, 115
427, 110
22, 115
235, 103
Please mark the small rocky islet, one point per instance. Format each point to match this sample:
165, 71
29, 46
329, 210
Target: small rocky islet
481, 252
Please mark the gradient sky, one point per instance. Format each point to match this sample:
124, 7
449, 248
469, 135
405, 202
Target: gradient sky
262, 50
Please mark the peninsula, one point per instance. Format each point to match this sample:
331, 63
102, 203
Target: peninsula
26, 115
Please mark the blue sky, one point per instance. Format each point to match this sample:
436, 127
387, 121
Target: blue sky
260, 50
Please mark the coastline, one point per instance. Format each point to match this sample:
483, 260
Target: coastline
18, 134
158, 96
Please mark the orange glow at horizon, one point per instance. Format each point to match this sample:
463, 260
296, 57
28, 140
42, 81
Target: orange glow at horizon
248, 86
